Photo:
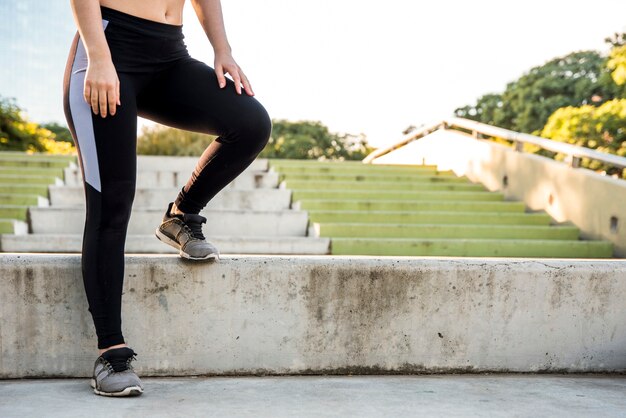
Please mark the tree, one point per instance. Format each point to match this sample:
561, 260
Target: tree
617, 64
61, 132
600, 128
313, 140
17, 133
486, 109
163, 140
573, 80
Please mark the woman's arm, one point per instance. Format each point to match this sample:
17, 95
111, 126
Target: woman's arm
210, 16
102, 85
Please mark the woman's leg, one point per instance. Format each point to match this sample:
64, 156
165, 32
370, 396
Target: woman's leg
187, 96
107, 156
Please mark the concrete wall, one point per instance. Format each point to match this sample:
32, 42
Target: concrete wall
594, 203
322, 314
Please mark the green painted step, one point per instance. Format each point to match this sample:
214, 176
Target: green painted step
347, 185
396, 230
27, 179
46, 172
18, 199
16, 155
5, 162
412, 205
471, 247
361, 170
394, 195
13, 212
291, 162
427, 217
426, 177
14, 188
6, 226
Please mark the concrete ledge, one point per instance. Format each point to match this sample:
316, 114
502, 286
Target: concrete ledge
322, 314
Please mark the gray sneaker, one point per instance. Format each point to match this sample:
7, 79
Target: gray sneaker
184, 232
113, 375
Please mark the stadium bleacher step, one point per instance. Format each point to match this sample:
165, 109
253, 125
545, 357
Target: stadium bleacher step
158, 197
234, 222
140, 244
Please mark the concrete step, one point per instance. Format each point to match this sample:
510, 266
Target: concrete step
408, 205
158, 197
372, 177
29, 179
186, 164
356, 170
367, 219
232, 222
46, 172
247, 180
343, 195
22, 199
34, 156
149, 244
292, 162
12, 226
259, 314
468, 231
33, 162
16, 187
434, 396
382, 185
471, 247
13, 212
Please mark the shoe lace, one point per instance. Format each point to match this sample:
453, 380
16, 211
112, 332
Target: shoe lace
119, 364
193, 225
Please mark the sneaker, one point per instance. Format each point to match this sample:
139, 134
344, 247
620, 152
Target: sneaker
113, 375
184, 232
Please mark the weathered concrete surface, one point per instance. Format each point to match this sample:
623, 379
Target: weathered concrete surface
233, 222
372, 396
592, 202
141, 244
159, 197
167, 171
332, 314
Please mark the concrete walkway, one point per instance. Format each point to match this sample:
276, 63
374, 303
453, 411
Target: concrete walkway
315, 396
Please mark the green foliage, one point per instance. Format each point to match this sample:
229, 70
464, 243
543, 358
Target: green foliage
164, 140
573, 80
61, 132
617, 64
602, 128
313, 140
486, 109
19, 134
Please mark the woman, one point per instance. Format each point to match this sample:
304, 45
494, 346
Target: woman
128, 58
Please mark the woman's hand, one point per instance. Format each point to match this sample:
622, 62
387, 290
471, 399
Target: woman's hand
102, 86
224, 63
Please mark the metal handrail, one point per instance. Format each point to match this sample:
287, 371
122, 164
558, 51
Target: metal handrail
574, 153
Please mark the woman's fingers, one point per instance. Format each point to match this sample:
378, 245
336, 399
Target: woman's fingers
94, 101
112, 96
237, 80
246, 84
221, 80
102, 101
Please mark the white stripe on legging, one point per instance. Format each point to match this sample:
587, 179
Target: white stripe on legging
81, 116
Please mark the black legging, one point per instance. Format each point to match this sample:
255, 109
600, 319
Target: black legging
160, 81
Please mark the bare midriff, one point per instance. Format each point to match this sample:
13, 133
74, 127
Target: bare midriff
163, 11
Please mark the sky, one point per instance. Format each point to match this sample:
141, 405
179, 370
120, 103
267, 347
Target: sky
357, 66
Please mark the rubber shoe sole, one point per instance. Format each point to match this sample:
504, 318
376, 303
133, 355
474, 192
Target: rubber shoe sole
164, 238
129, 391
